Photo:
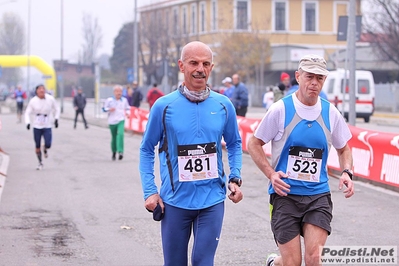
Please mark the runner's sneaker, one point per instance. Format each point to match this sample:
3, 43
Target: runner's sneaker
39, 167
120, 156
270, 259
113, 156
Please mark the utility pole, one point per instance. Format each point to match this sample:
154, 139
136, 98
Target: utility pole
61, 78
352, 62
135, 44
28, 51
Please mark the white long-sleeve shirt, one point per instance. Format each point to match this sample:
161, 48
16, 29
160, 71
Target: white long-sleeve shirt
43, 111
121, 106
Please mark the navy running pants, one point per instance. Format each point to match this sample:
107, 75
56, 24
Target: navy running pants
37, 135
206, 225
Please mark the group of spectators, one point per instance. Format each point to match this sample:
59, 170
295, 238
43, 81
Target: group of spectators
134, 95
237, 92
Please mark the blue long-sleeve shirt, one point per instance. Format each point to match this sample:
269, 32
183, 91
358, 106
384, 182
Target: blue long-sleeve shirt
189, 136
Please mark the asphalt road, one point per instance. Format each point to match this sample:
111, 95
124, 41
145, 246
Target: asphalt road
84, 209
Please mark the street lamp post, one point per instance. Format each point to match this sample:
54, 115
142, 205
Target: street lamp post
28, 50
352, 62
60, 77
135, 42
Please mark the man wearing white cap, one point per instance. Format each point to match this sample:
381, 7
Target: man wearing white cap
228, 92
302, 127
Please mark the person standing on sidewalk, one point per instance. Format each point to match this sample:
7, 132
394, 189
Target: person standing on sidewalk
43, 106
20, 96
282, 87
227, 82
129, 94
189, 124
268, 98
302, 127
79, 104
240, 96
118, 108
153, 94
137, 96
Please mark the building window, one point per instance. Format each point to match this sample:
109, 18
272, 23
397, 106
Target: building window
340, 9
193, 18
280, 13
184, 20
214, 20
159, 19
202, 17
167, 22
175, 22
310, 17
242, 15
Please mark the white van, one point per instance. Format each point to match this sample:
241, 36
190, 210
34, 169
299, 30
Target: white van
365, 92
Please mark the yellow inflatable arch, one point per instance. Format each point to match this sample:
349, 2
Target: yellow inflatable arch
34, 61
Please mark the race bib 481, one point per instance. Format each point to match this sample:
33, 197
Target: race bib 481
197, 162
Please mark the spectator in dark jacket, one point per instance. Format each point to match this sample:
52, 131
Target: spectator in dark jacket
129, 94
240, 96
79, 103
137, 96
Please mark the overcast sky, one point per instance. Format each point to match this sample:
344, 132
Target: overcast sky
45, 23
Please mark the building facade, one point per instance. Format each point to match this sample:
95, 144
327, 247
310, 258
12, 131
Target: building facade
74, 75
291, 27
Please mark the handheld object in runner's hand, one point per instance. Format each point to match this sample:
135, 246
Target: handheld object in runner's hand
157, 213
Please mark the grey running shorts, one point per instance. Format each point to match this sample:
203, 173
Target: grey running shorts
289, 213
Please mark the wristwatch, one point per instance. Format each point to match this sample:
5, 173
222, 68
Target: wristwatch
349, 172
236, 180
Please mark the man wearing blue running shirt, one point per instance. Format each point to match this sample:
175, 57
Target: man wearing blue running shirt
188, 125
301, 128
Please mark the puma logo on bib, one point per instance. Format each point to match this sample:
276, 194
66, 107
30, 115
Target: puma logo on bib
197, 162
304, 163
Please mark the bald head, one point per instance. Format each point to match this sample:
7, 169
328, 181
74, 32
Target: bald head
236, 79
196, 63
192, 47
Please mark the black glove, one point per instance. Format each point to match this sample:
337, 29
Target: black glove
28, 126
157, 213
56, 123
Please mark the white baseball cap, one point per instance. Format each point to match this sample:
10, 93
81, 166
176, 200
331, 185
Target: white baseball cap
227, 79
314, 64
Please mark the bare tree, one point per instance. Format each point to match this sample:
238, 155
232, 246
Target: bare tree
149, 38
154, 37
243, 53
381, 23
12, 42
162, 39
92, 36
